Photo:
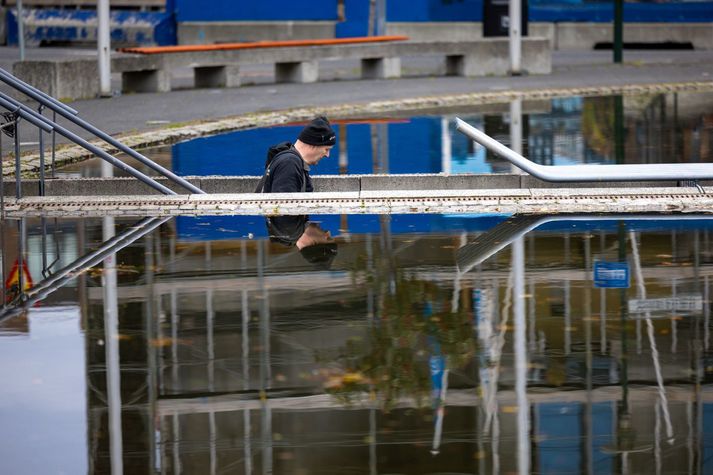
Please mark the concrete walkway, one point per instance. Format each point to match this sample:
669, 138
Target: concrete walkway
134, 113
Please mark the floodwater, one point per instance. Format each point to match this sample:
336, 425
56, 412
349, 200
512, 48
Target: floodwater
414, 344
663, 128
424, 344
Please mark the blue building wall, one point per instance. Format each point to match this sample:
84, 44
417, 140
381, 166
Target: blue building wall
232, 10
357, 11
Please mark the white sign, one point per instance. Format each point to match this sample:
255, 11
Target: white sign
684, 303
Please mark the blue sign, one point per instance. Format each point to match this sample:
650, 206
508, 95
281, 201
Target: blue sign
611, 275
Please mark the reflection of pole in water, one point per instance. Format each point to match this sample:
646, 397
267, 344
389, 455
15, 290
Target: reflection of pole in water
446, 147
343, 152
516, 129
641, 291
520, 344
380, 148
111, 338
619, 129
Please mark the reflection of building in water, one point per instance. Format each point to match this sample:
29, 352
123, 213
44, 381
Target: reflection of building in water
226, 348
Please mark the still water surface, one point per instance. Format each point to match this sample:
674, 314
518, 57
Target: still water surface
662, 128
429, 344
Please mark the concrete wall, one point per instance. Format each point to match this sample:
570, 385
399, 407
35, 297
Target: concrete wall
565, 35
51, 77
324, 183
203, 32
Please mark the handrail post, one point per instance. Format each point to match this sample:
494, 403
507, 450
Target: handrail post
54, 144
42, 155
18, 180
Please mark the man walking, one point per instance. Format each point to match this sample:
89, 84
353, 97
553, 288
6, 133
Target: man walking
287, 168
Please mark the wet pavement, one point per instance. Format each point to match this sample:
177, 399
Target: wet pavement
133, 113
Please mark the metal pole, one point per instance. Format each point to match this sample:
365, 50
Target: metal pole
18, 181
69, 114
103, 44
20, 31
54, 143
515, 33
42, 155
618, 30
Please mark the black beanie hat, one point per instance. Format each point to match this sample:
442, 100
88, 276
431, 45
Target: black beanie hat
318, 133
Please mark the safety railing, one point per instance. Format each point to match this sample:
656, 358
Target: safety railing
591, 173
18, 111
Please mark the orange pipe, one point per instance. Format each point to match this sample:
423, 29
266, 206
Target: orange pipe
262, 44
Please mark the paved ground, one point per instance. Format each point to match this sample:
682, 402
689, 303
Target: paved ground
139, 112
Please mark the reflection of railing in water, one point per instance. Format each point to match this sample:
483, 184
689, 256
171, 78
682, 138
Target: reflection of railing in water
27, 298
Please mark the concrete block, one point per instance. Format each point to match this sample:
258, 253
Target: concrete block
228, 184
64, 79
584, 36
438, 182
217, 76
544, 30
437, 31
332, 183
156, 80
381, 68
191, 33
300, 72
529, 181
536, 55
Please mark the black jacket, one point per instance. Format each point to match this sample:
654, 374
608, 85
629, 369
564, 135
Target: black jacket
288, 173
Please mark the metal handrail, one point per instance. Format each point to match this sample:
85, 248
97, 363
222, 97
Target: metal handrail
46, 124
590, 173
71, 115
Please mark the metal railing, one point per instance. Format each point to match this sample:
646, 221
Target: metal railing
46, 125
590, 173
18, 112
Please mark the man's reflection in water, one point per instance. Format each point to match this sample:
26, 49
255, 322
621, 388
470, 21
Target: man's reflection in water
314, 243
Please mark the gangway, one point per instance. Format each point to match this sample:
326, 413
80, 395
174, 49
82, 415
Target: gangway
590, 173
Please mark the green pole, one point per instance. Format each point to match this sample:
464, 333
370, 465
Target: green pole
618, 30
619, 135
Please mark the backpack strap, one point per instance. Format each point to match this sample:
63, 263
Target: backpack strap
261, 184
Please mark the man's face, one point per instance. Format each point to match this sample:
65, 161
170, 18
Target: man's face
314, 234
319, 152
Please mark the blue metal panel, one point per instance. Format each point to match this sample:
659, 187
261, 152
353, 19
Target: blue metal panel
707, 436
559, 434
415, 147
579, 11
356, 19
47, 25
232, 10
602, 437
